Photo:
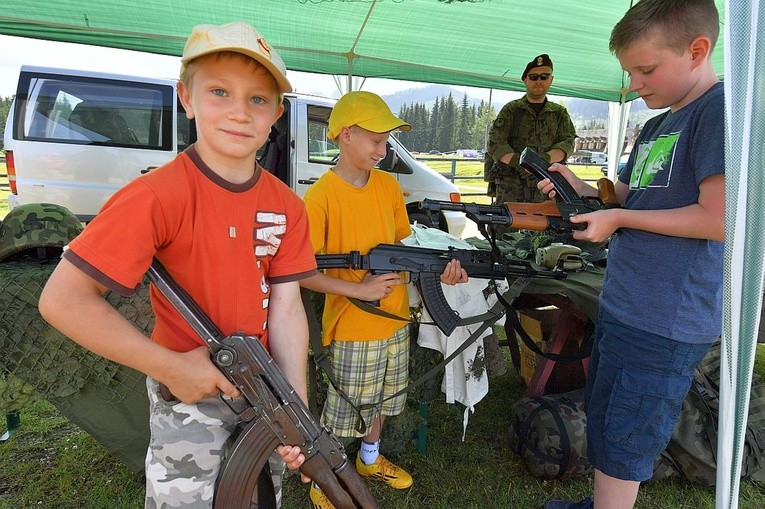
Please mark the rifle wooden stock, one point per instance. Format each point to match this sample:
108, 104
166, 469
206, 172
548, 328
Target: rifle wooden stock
533, 216
607, 193
549, 215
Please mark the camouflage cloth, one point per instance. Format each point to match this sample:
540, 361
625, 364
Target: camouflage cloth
188, 443
550, 435
516, 127
692, 450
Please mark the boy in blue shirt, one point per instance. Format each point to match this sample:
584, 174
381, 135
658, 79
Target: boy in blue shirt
661, 305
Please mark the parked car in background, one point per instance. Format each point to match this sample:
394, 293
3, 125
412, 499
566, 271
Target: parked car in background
622, 163
73, 138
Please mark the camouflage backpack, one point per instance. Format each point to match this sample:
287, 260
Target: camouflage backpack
549, 434
37, 230
692, 450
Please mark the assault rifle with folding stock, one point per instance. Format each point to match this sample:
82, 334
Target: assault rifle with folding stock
425, 267
273, 415
548, 215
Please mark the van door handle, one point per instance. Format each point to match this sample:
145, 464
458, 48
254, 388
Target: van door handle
148, 169
308, 182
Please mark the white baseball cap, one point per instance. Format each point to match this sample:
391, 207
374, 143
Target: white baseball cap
239, 37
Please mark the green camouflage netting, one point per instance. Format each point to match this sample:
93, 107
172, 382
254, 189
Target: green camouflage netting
33, 355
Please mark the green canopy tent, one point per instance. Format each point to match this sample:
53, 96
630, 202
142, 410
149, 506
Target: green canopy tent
472, 43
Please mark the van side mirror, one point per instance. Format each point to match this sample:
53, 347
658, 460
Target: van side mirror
392, 163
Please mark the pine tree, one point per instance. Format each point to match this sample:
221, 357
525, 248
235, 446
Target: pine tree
447, 134
467, 119
435, 126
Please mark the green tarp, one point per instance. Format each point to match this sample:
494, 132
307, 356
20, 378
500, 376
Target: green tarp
480, 43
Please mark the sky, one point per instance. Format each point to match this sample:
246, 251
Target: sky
18, 51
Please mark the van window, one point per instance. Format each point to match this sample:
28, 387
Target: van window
78, 110
320, 148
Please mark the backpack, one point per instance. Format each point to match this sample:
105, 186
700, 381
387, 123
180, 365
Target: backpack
549, 434
692, 450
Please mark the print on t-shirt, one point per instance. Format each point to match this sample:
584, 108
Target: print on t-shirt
653, 164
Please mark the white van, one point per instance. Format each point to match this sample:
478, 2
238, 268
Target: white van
589, 157
75, 137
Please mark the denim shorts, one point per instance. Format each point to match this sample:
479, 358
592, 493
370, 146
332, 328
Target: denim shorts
636, 385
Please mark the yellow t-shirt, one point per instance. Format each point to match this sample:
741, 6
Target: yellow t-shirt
346, 218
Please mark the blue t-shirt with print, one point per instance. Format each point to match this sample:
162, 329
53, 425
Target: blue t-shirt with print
671, 286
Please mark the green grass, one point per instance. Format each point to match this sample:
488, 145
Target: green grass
50, 463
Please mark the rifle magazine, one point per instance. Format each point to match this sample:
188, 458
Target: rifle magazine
433, 298
237, 484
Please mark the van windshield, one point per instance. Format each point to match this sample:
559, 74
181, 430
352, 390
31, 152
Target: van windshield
79, 111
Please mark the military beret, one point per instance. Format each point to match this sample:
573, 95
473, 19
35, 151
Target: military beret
542, 60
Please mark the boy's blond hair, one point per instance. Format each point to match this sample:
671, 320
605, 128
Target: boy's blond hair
188, 70
677, 22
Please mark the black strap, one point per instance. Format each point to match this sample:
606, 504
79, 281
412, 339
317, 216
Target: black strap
524, 432
322, 360
584, 349
365, 306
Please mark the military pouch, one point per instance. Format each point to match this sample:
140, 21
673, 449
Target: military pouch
560, 255
499, 169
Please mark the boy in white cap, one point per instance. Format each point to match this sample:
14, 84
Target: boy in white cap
356, 207
232, 235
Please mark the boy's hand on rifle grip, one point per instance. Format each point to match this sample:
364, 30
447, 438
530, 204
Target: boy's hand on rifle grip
378, 286
195, 377
454, 273
600, 225
293, 458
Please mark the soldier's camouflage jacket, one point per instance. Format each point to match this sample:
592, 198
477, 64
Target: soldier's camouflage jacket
516, 127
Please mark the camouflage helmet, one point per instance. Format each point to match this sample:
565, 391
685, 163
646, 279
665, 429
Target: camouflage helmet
36, 225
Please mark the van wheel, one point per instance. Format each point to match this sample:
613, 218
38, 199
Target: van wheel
420, 218
423, 219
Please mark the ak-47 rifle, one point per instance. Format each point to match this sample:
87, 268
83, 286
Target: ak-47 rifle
274, 414
548, 215
425, 267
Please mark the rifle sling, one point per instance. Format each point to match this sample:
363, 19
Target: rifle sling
470, 320
322, 360
584, 349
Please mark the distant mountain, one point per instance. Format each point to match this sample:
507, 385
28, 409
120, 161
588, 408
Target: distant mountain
425, 95
581, 110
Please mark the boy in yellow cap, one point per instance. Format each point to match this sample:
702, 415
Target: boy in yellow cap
232, 235
356, 207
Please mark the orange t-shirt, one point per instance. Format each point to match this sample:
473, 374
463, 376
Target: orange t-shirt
224, 243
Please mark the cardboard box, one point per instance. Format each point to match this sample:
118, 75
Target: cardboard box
537, 322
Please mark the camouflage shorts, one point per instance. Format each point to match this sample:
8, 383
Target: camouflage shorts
186, 450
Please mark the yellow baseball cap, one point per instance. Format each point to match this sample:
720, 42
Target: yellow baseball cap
366, 110
239, 37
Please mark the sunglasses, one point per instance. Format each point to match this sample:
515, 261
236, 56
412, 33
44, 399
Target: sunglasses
534, 77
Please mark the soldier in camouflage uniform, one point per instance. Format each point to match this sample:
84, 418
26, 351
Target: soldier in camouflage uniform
531, 121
